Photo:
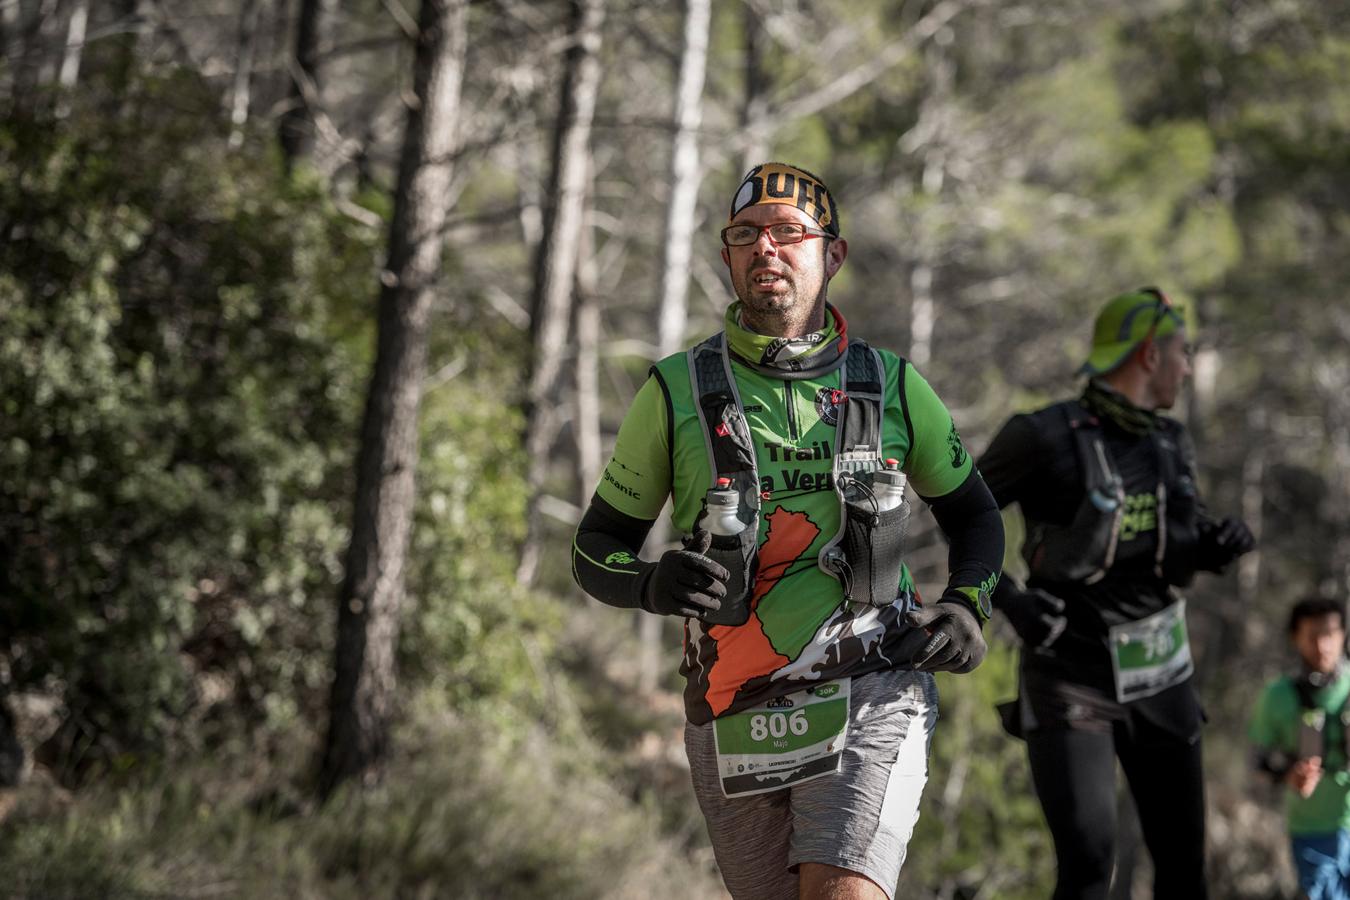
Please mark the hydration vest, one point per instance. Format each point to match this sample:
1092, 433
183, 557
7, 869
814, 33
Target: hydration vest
1314, 738
1084, 550
865, 553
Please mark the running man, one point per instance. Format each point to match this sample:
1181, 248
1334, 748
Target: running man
1114, 522
784, 442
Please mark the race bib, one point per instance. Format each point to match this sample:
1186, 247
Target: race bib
1152, 654
784, 742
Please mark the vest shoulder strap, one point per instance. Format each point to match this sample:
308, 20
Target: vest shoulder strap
1305, 690
726, 434
1167, 440
858, 439
1098, 470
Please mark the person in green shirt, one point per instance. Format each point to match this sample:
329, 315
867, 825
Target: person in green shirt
783, 443
1299, 730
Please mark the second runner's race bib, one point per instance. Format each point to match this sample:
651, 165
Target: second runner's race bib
1152, 654
783, 742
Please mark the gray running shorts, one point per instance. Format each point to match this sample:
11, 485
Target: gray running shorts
859, 819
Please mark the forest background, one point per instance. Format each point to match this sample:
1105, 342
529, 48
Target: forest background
265, 261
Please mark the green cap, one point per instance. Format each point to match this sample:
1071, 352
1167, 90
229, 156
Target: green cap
1125, 322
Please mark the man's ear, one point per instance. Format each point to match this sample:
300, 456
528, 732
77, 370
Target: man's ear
835, 254
1148, 355
726, 256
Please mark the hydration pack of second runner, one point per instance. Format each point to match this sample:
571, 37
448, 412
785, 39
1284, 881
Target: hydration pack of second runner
1083, 550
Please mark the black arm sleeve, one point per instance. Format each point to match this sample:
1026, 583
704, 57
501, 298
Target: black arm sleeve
969, 518
605, 560
1009, 467
1012, 460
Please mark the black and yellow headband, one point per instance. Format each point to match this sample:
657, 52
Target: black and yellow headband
776, 182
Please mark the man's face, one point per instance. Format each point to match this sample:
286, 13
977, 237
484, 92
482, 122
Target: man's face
1174, 364
1320, 641
774, 278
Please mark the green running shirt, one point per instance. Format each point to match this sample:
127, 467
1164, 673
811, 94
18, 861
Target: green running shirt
1275, 726
799, 630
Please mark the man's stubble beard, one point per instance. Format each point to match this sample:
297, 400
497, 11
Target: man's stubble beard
782, 316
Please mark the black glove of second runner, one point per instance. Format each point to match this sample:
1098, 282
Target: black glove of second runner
955, 642
1036, 615
1224, 541
685, 582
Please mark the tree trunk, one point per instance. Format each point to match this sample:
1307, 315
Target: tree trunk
69, 75
11, 751
557, 259
11, 39
51, 42
934, 109
77, 26
1234, 626
241, 92
31, 52
754, 105
1253, 508
297, 123
372, 589
684, 179
679, 242
586, 424
527, 190
129, 45
922, 314
1338, 431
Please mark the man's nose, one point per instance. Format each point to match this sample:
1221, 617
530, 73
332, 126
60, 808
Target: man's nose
764, 244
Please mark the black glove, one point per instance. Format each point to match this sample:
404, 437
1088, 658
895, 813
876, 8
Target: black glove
1224, 541
955, 642
1036, 616
685, 582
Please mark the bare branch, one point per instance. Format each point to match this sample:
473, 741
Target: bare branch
869, 71
402, 18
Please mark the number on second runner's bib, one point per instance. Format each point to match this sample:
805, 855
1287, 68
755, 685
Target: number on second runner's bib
1152, 654
783, 742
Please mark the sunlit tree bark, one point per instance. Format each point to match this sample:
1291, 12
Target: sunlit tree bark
677, 256
371, 595
557, 258
306, 80
76, 29
241, 91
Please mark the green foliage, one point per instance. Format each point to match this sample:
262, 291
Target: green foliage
177, 420
64, 863
185, 337
469, 628
467, 812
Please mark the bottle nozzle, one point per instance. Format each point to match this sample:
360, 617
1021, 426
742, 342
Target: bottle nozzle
892, 463
723, 483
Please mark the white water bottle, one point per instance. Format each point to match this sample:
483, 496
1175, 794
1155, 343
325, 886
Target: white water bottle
723, 503
888, 485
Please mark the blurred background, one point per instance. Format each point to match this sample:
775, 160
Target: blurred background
242, 303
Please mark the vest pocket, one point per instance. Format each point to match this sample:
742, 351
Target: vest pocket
739, 555
873, 545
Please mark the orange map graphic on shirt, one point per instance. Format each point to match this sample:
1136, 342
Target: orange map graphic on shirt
789, 536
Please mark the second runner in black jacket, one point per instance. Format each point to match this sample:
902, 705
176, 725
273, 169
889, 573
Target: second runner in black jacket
1115, 525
